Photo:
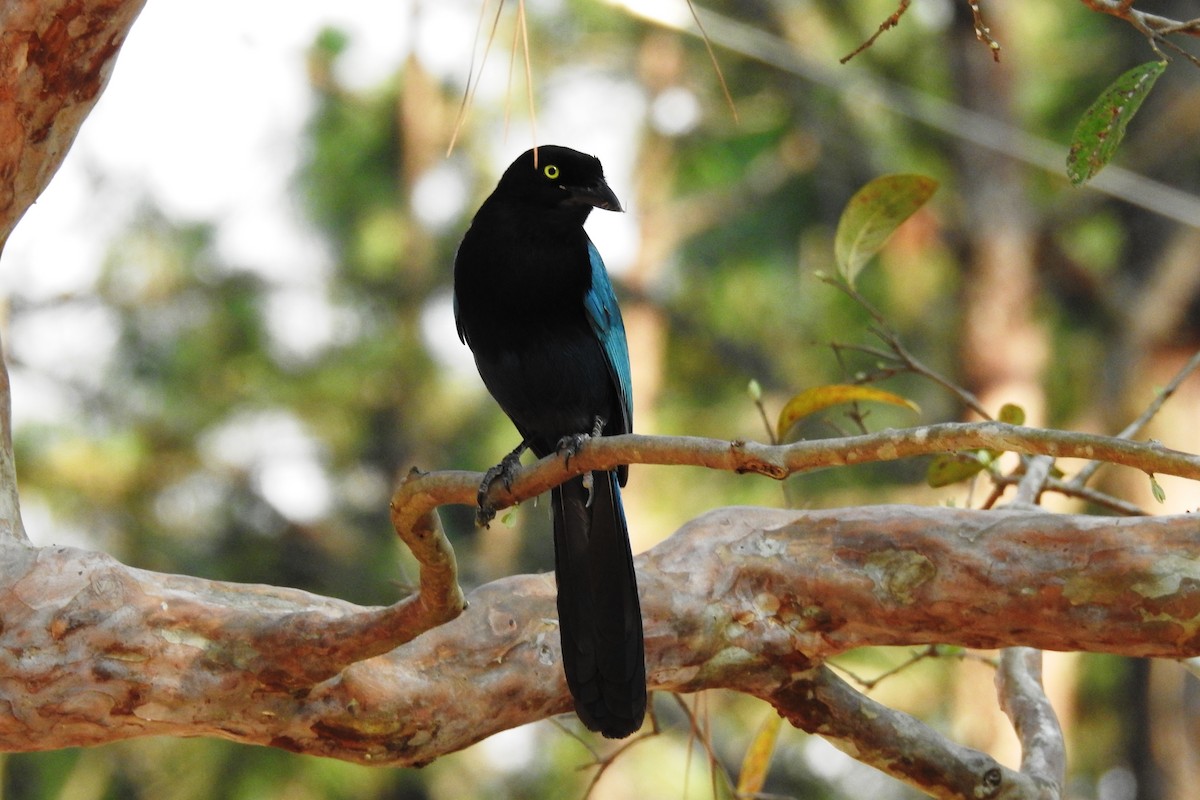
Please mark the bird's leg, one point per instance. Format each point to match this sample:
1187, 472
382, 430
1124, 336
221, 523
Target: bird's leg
569, 446
506, 470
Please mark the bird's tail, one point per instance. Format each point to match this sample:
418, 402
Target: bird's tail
600, 619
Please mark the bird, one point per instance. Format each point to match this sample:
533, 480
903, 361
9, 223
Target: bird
534, 302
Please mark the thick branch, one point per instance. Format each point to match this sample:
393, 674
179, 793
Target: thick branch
749, 599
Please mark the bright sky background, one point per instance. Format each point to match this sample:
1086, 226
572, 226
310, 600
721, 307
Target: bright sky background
202, 117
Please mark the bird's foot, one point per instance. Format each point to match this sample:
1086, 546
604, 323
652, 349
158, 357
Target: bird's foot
570, 445
505, 471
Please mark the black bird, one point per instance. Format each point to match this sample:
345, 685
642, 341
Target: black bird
534, 303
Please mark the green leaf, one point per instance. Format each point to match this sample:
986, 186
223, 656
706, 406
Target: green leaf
1102, 127
820, 398
950, 468
873, 214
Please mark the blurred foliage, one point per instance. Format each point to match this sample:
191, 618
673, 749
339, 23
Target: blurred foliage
188, 448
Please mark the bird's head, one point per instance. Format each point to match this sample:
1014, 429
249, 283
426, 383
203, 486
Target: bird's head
559, 177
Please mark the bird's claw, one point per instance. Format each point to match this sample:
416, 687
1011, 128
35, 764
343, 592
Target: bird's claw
506, 470
569, 446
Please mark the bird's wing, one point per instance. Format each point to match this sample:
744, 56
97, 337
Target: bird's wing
605, 317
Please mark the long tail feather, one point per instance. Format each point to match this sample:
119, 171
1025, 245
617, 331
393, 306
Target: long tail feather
600, 618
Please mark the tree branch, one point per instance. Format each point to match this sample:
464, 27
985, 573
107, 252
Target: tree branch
94, 651
1043, 751
896, 743
55, 58
1148, 24
780, 461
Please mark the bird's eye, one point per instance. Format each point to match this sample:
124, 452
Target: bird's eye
551, 172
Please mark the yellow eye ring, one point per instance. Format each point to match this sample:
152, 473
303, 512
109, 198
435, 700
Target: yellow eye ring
551, 172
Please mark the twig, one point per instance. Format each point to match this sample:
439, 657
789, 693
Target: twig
886, 25
473, 78
699, 733
898, 352
1093, 496
932, 651
523, 26
1154, 27
1134, 428
604, 762
712, 57
982, 32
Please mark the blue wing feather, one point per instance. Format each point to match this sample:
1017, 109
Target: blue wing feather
605, 317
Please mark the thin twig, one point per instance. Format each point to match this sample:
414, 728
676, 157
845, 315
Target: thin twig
1155, 28
701, 735
712, 57
473, 78
524, 28
982, 32
1093, 496
1134, 428
932, 651
604, 762
886, 25
898, 352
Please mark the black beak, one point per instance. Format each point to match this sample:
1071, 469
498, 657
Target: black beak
597, 194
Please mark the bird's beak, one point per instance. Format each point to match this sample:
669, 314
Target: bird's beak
598, 194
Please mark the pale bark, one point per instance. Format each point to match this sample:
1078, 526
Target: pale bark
1019, 685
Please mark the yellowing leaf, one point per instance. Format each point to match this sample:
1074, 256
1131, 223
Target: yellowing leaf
758, 757
820, 398
1102, 126
873, 214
